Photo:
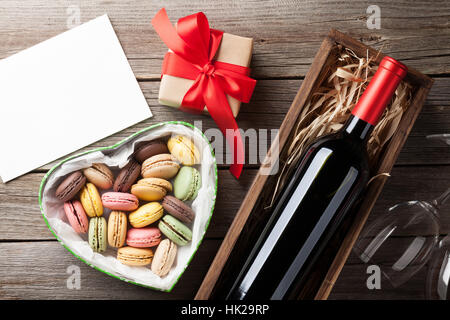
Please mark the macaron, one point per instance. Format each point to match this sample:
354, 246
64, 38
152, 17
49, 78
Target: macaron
76, 216
164, 166
91, 201
127, 176
146, 214
117, 229
175, 230
98, 234
150, 149
120, 201
134, 256
143, 237
70, 186
151, 189
164, 258
184, 149
100, 175
187, 183
178, 209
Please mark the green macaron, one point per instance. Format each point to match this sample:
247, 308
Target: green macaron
98, 234
175, 230
187, 183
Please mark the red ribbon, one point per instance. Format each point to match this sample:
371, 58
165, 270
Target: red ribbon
194, 46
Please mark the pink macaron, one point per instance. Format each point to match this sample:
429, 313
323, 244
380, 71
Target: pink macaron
120, 201
77, 216
143, 237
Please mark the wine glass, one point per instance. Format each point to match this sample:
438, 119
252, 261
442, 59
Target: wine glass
438, 276
402, 241
445, 137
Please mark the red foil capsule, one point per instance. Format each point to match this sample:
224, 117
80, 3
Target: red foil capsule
379, 92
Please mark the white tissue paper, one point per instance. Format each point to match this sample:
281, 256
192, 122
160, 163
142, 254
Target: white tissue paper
116, 158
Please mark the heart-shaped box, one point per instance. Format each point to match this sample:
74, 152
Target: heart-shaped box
116, 157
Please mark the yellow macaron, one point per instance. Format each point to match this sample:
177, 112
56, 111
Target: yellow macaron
146, 214
91, 200
135, 256
117, 229
151, 189
184, 149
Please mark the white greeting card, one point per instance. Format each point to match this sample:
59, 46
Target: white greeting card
63, 94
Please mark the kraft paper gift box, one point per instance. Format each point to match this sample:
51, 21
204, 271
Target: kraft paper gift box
233, 49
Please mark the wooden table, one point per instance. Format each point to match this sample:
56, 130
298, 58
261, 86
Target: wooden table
287, 35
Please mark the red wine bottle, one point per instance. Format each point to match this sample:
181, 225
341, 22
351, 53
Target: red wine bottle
331, 174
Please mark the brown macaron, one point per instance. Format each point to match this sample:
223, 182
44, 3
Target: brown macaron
100, 175
150, 149
70, 186
178, 209
127, 176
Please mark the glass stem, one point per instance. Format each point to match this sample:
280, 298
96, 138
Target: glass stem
438, 202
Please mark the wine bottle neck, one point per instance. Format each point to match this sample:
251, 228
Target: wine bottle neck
375, 98
358, 128
380, 90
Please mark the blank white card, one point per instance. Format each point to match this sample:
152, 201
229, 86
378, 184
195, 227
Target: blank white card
63, 94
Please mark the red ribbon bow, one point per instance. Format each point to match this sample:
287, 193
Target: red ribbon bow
194, 46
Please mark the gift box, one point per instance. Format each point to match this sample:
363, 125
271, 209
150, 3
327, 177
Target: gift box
252, 215
233, 49
206, 68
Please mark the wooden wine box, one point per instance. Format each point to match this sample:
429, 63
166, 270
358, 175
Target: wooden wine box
250, 218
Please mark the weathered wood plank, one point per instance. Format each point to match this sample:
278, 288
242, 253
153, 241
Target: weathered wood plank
286, 35
38, 270
272, 99
21, 218
44, 276
351, 285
